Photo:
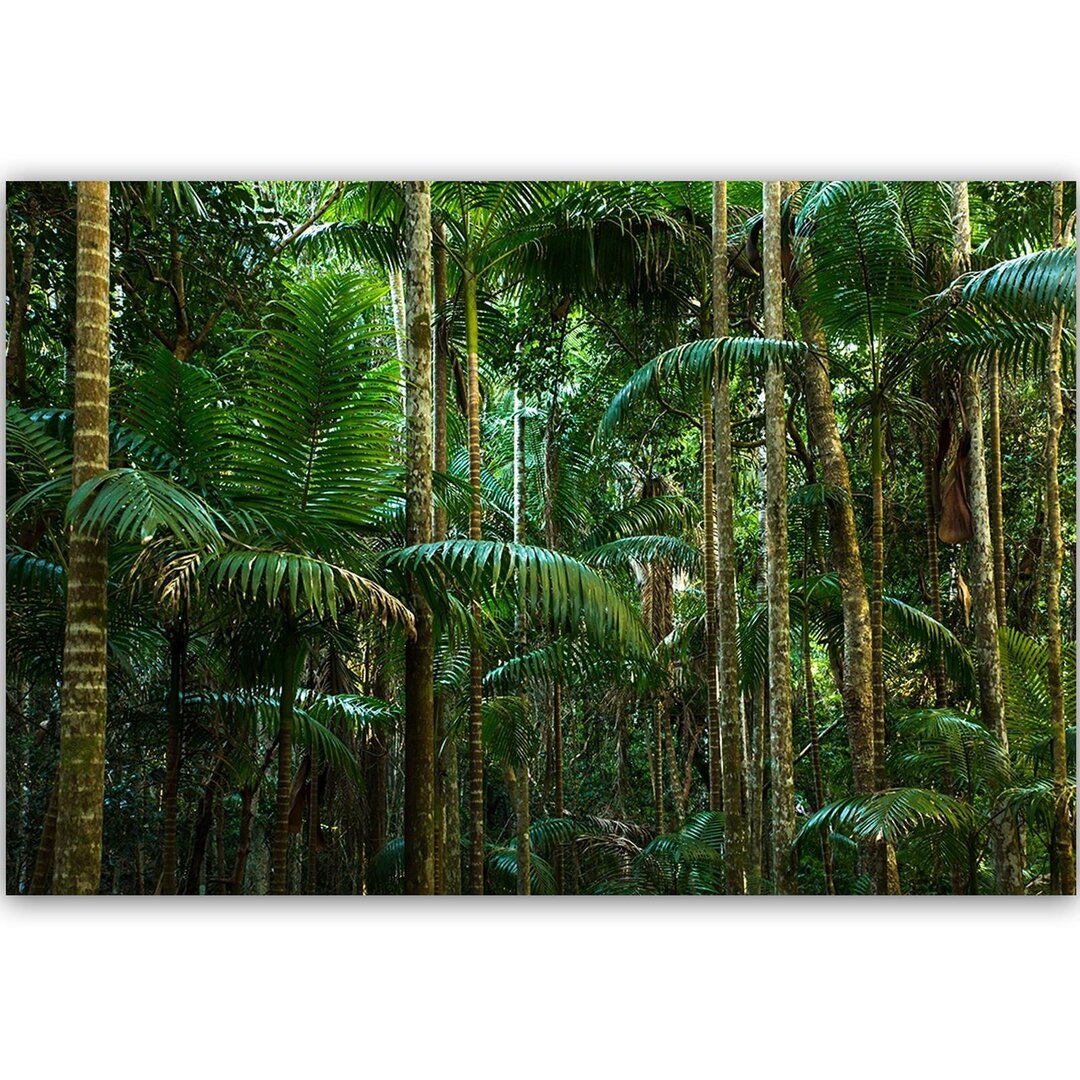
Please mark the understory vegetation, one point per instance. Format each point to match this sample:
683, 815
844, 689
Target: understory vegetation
550, 538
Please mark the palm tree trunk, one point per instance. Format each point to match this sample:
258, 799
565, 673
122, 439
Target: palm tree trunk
877, 587
520, 775
279, 848
712, 725
447, 804
20, 301
1062, 854
476, 669
81, 779
1006, 841
732, 736
997, 513
930, 485
782, 785
313, 819
858, 670
419, 650
551, 538
43, 861
173, 749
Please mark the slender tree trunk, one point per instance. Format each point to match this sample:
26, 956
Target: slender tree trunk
313, 819
877, 589
776, 562
727, 600
551, 538
657, 607
1062, 853
476, 668
173, 750
997, 513
448, 823
279, 852
204, 820
930, 490
419, 650
811, 723
43, 861
712, 727
857, 684
1006, 841
521, 772
80, 809
20, 301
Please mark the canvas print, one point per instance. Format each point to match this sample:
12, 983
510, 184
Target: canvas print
540, 538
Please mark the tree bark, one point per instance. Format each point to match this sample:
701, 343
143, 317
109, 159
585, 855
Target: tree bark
782, 787
476, 669
997, 513
930, 491
279, 851
170, 795
727, 600
419, 650
1006, 841
1062, 853
877, 589
520, 774
448, 815
80, 807
43, 861
712, 724
20, 301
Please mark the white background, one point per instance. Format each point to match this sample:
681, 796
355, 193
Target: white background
587, 987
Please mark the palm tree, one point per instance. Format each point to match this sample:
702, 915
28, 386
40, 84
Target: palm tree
307, 478
419, 649
776, 562
731, 726
1063, 858
81, 777
981, 566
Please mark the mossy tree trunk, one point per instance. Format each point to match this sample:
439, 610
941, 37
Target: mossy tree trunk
1005, 835
732, 736
782, 788
83, 704
419, 824
1062, 844
476, 667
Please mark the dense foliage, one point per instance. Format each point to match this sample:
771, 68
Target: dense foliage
261, 586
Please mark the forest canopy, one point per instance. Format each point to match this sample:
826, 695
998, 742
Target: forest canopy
541, 537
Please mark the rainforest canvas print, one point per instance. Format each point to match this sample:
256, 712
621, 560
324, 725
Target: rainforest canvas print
547, 538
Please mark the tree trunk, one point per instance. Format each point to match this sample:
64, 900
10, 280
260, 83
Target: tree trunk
476, 669
712, 724
1006, 841
727, 600
551, 538
173, 750
857, 683
782, 786
877, 588
43, 861
20, 301
80, 807
419, 650
1062, 854
930, 491
447, 805
279, 854
519, 775
997, 513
